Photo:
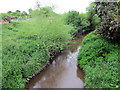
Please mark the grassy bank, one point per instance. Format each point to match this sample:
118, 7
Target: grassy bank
28, 45
100, 60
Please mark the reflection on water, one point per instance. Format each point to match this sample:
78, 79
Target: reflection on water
63, 72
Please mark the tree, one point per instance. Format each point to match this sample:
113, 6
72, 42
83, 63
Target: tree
110, 24
9, 12
30, 11
38, 5
73, 18
25, 13
92, 16
46, 11
78, 21
18, 11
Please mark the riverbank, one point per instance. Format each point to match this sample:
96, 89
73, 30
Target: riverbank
99, 58
25, 52
77, 38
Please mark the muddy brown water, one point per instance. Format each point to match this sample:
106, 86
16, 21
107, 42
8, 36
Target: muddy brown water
63, 72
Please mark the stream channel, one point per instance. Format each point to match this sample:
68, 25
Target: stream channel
63, 72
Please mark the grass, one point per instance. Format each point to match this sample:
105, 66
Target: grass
100, 60
27, 46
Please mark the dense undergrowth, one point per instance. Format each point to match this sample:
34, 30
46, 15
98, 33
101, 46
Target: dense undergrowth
99, 55
28, 45
99, 58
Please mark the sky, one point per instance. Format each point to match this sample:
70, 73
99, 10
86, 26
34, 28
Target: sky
61, 6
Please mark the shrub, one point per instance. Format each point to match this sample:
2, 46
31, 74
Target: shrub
73, 19
82, 22
99, 59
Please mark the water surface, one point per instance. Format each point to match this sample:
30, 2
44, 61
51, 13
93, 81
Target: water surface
63, 72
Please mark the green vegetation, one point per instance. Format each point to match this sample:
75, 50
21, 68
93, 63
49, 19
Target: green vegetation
92, 17
28, 45
30, 40
0, 56
83, 22
17, 15
99, 55
110, 18
99, 59
73, 18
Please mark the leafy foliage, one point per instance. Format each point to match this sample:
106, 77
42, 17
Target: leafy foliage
110, 23
73, 18
43, 11
17, 15
77, 21
84, 21
100, 60
92, 16
6, 17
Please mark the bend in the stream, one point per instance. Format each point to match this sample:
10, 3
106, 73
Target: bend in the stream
63, 72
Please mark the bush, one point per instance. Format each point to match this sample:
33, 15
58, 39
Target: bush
82, 22
99, 59
73, 19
